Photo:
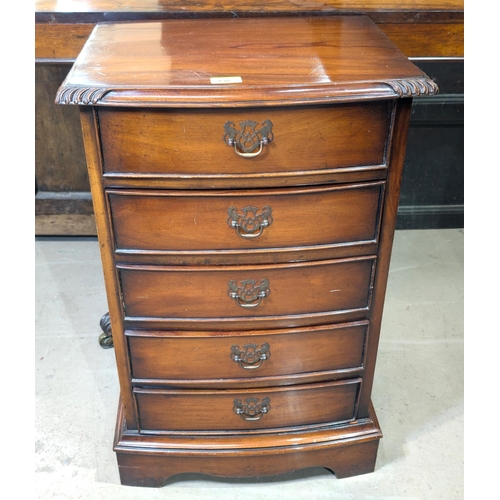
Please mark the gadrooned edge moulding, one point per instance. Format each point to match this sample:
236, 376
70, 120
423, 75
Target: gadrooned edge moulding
86, 96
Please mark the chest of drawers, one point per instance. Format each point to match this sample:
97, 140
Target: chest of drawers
245, 176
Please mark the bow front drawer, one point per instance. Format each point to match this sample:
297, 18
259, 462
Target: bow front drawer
250, 146
225, 295
181, 222
233, 410
194, 357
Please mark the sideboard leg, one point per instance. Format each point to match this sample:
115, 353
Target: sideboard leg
106, 338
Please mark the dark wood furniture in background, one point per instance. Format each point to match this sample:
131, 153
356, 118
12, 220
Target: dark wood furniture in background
246, 192
429, 32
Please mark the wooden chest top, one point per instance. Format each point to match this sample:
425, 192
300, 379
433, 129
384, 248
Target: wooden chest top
237, 62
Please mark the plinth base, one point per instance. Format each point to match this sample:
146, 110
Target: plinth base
149, 460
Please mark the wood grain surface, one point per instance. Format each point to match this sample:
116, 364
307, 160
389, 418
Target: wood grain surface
309, 59
182, 221
209, 355
191, 293
172, 143
167, 411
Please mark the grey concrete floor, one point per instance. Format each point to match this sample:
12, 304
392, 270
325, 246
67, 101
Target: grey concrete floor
418, 392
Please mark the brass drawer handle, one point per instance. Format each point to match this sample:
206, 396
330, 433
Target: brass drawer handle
250, 357
249, 293
252, 409
250, 224
247, 140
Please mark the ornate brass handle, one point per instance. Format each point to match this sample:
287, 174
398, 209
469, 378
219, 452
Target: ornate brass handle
252, 409
249, 293
247, 140
250, 357
250, 224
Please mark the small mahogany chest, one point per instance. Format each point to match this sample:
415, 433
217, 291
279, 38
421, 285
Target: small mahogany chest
245, 175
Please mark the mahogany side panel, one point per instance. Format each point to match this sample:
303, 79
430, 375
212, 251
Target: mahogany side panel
92, 151
389, 215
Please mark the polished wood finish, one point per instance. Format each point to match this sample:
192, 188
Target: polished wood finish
396, 160
432, 29
192, 358
196, 222
346, 450
182, 301
305, 139
64, 41
147, 470
320, 50
424, 22
94, 166
167, 411
182, 297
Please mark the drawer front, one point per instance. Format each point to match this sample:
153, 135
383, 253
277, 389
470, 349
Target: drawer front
245, 292
230, 410
171, 221
172, 143
207, 355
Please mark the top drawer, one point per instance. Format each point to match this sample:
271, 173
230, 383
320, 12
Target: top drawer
189, 147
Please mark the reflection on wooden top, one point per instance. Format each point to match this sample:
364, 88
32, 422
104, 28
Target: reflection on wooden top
420, 28
171, 63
